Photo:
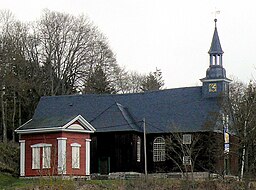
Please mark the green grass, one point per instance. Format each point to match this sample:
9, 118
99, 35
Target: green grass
8, 182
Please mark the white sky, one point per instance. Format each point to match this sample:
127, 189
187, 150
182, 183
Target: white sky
173, 35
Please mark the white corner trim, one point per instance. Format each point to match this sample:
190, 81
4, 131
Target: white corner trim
75, 144
22, 157
87, 156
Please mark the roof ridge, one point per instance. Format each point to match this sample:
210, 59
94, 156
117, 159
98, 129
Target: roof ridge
126, 94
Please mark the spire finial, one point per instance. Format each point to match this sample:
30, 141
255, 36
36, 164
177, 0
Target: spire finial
216, 12
215, 20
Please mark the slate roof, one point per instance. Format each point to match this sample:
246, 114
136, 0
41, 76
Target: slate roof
184, 108
215, 45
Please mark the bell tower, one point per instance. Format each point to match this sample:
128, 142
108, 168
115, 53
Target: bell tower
215, 83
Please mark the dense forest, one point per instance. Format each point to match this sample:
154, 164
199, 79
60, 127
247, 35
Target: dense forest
59, 54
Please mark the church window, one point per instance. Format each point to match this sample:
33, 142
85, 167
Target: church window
75, 155
187, 160
138, 149
186, 139
159, 149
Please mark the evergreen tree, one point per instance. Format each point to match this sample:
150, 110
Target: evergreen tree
97, 83
153, 81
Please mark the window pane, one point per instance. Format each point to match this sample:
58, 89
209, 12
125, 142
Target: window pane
75, 157
138, 149
186, 160
187, 139
36, 158
47, 157
159, 149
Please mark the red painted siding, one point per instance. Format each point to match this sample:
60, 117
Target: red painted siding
51, 138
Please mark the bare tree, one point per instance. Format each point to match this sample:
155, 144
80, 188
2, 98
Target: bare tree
183, 149
241, 108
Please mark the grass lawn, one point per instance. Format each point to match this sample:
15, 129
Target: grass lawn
8, 182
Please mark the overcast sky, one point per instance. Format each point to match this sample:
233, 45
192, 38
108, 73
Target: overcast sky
172, 35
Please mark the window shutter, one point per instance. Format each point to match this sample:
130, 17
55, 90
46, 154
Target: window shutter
46, 157
36, 158
75, 155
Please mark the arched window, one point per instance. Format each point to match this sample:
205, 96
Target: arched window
138, 149
159, 149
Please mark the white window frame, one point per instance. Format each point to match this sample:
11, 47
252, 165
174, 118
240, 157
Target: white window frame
187, 160
36, 155
187, 139
75, 155
46, 157
159, 149
35, 158
138, 149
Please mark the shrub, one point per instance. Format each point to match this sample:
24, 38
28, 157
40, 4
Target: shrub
9, 158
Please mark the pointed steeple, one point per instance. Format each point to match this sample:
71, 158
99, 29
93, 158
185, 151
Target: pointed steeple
215, 83
215, 46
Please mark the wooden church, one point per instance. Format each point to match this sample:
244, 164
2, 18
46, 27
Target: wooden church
83, 134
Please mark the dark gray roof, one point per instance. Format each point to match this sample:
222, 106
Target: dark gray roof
184, 108
215, 45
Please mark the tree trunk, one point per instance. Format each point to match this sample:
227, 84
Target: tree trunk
19, 111
13, 117
244, 150
3, 116
247, 175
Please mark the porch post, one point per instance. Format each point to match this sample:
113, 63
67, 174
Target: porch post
22, 158
62, 169
87, 156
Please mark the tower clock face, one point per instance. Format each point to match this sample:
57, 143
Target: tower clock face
212, 87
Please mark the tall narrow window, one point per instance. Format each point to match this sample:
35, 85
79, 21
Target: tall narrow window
138, 149
75, 155
46, 157
186, 139
35, 157
159, 149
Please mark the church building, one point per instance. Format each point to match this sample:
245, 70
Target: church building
83, 134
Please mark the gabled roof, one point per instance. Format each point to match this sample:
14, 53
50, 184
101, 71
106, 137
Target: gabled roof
184, 108
215, 45
53, 123
116, 117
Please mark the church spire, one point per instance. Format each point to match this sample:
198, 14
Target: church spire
215, 83
215, 49
215, 46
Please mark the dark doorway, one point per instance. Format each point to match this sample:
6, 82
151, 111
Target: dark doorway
104, 165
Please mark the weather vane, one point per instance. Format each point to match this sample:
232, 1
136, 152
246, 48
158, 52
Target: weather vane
216, 12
